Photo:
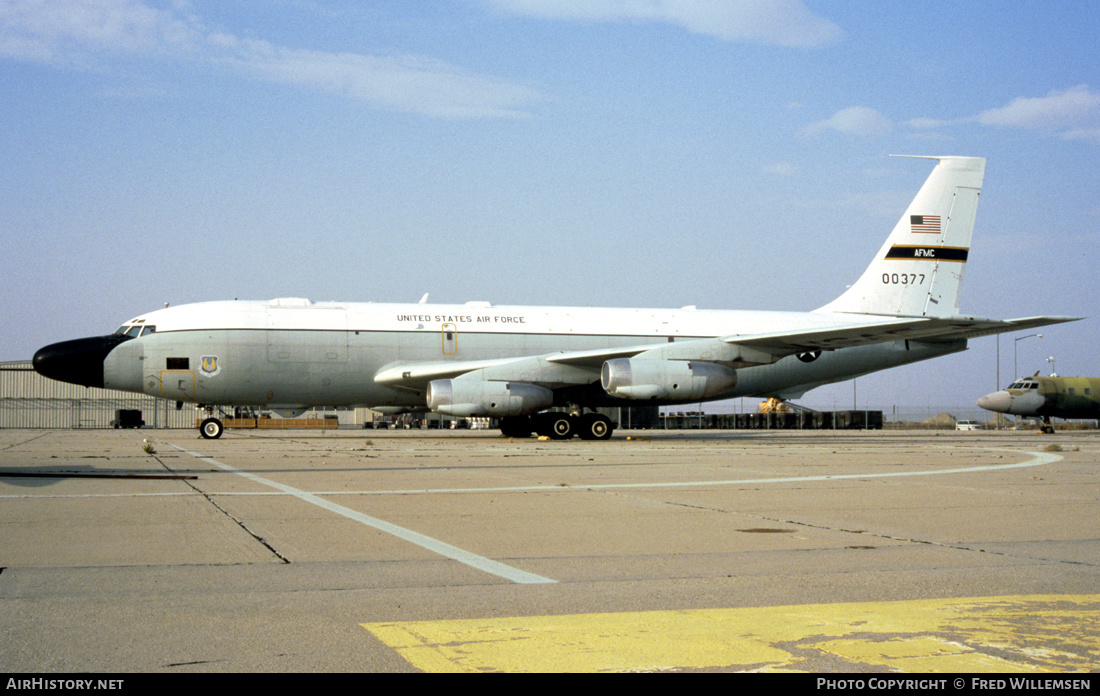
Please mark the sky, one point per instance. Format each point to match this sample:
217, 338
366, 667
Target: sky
629, 153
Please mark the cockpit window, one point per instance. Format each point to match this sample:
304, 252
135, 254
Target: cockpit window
135, 330
1024, 384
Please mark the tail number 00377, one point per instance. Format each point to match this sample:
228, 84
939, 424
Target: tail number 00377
903, 278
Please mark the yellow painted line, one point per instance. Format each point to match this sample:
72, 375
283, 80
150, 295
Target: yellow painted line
987, 634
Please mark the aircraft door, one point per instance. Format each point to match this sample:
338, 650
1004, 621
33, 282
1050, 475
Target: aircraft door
177, 385
450, 339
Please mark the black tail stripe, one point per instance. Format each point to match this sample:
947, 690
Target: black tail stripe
927, 253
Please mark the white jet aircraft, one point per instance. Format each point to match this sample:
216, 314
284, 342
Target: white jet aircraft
539, 368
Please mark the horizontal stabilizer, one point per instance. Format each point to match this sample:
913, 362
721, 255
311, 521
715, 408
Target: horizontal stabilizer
926, 329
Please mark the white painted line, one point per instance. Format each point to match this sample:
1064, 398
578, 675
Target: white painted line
435, 546
1038, 459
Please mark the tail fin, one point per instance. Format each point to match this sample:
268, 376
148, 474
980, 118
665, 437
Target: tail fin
918, 271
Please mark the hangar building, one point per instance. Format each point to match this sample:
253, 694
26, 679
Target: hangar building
29, 400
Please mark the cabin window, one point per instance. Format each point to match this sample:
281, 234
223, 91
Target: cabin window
1072, 391
179, 364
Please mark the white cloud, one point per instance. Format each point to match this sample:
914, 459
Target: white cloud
777, 22
1072, 114
1092, 135
80, 33
1066, 109
70, 31
408, 83
855, 120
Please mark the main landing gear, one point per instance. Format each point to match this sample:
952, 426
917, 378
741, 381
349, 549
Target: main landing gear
559, 425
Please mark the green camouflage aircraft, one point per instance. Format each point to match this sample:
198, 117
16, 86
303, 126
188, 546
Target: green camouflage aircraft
1047, 397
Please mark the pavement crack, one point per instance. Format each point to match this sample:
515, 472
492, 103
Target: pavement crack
20, 443
228, 514
887, 537
928, 542
192, 663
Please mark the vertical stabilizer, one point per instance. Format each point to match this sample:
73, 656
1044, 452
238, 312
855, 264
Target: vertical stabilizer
918, 271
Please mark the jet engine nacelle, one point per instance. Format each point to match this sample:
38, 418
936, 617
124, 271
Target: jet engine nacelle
676, 380
456, 397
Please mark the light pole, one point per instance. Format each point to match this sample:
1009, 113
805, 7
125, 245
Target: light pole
1015, 370
1053, 371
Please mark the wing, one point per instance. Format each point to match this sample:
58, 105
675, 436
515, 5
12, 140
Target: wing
551, 369
565, 368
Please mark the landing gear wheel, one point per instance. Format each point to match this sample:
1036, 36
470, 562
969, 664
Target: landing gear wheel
211, 428
555, 425
516, 426
562, 426
595, 426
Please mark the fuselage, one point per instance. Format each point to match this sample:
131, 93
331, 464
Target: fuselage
293, 353
1047, 397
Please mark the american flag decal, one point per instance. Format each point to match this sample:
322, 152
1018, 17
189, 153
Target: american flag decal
924, 223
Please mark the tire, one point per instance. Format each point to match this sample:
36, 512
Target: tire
563, 427
556, 425
211, 428
595, 426
516, 426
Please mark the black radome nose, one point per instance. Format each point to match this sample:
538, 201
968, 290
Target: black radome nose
79, 361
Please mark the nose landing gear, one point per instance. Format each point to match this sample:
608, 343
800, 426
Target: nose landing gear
211, 428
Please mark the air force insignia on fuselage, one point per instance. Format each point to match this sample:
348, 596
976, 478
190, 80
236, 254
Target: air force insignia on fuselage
208, 365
